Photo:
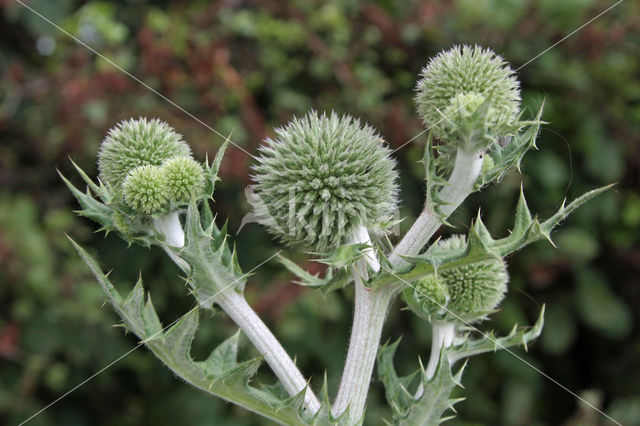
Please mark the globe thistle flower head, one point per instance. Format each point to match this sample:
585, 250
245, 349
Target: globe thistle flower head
320, 178
184, 179
430, 295
145, 190
475, 288
135, 143
476, 74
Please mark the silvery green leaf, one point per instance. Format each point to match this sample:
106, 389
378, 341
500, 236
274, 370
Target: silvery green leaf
489, 342
416, 399
213, 268
223, 357
211, 170
505, 157
220, 375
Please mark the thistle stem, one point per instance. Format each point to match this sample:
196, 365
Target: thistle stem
443, 334
170, 228
236, 306
466, 170
361, 236
371, 306
369, 316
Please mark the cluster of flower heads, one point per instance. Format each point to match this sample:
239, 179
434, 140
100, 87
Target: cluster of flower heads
456, 83
325, 177
322, 177
149, 165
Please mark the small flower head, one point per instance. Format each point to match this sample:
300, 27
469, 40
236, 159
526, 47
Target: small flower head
431, 295
145, 190
475, 288
458, 81
135, 143
184, 178
320, 178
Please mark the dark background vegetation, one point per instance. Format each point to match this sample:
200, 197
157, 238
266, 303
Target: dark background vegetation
249, 66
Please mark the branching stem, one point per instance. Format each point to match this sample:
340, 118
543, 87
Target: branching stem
466, 170
371, 306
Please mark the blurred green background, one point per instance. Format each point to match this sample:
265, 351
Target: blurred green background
249, 66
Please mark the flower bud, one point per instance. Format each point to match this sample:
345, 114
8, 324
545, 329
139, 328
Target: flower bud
135, 143
476, 288
456, 83
184, 178
145, 190
431, 295
321, 178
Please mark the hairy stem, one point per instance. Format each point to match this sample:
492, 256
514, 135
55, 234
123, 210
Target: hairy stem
361, 236
443, 334
170, 228
465, 172
369, 316
371, 306
236, 306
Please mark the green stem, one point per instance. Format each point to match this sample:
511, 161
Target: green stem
465, 172
369, 316
236, 306
371, 306
442, 337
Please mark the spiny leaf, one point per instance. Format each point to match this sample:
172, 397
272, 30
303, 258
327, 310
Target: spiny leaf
211, 170
333, 279
224, 357
91, 208
179, 337
241, 374
434, 400
434, 178
397, 392
173, 349
304, 278
527, 230
210, 272
492, 343
344, 256
108, 288
426, 404
509, 156
152, 326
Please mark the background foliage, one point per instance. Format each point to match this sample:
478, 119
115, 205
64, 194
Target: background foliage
247, 66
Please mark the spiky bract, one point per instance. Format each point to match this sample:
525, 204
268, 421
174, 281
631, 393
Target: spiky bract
134, 143
478, 75
145, 190
320, 178
475, 288
184, 179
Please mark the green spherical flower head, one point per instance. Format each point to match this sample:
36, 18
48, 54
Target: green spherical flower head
145, 190
136, 143
474, 73
321, 178
475, 288
184, 177
431, 294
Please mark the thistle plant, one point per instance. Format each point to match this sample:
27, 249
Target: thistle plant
327, 184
